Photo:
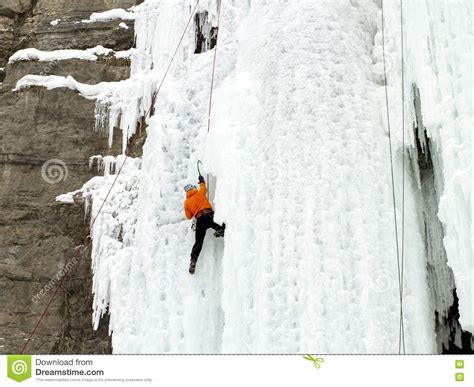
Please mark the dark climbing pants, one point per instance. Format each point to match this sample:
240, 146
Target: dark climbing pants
203, 223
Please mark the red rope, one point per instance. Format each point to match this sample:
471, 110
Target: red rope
80, 248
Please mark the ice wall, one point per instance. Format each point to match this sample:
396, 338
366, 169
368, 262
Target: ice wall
166, 309
299, 160
310, 260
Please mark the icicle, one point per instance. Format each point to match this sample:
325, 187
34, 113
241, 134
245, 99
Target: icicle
108, 165
95, 160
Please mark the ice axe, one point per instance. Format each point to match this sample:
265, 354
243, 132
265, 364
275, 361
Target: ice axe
199, 165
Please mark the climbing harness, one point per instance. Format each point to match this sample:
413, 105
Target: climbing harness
401, 336
80, 249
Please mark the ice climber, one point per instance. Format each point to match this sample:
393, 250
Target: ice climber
196, 205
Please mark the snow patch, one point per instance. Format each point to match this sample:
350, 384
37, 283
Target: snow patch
90, 54
54, 81
125, 54
113, 14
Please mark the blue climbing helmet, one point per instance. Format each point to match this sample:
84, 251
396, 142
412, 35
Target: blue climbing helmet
189, 187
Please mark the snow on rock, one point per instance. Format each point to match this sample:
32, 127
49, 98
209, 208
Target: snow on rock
125, 54
55, 22
123, 25
113, 14
67, 198
54, 81
91, 54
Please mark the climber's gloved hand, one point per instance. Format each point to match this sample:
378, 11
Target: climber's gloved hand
201, 179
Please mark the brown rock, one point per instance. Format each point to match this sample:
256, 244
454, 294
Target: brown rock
38, 235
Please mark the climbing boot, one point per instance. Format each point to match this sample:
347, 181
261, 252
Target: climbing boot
220, 233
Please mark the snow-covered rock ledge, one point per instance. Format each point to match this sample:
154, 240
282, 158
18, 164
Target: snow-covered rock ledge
54, 81
114, 107
90, 54
113, 14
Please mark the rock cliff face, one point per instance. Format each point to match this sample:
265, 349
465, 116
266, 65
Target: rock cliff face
46, 138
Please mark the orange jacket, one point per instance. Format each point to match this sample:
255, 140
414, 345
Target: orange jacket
196, 201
